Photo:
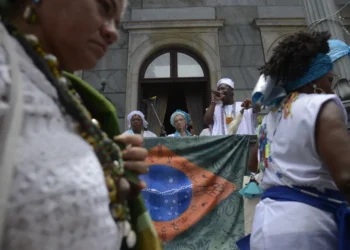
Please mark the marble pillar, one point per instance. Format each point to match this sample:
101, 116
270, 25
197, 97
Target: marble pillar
319, 9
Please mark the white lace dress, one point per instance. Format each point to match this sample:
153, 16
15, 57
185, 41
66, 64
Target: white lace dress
58, 197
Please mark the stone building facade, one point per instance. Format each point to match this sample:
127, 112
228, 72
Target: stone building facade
226, 38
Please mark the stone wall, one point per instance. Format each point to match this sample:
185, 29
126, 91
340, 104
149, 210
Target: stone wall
240, 43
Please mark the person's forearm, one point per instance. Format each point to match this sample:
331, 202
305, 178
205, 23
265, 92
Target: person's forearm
209, 114
253, 159
233, 126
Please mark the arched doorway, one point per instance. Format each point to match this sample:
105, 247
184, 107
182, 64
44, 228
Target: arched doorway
180, 80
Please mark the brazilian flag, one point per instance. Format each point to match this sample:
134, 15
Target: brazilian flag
192, 190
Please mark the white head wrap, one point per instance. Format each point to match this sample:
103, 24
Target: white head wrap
226, 81
136, 112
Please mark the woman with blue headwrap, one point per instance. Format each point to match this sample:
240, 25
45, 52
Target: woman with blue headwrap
180, 121
303, 151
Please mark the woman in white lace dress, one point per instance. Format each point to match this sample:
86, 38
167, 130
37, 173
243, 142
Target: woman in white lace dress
58, 197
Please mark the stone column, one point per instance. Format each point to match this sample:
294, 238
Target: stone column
319, 9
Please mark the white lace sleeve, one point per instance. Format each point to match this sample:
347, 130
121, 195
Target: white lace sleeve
58, 198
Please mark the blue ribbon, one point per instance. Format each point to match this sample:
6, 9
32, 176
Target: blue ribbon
338, 49
340, 211
320, 66
270, 93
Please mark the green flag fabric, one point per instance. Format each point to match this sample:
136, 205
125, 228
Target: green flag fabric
192, 190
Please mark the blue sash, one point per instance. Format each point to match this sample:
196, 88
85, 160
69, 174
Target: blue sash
341, 211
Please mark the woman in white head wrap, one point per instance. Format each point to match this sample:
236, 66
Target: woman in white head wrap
180, 120
138, 124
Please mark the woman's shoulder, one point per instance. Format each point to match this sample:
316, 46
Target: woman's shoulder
312, 103
128, 132
148, 133
314, 98
30, 75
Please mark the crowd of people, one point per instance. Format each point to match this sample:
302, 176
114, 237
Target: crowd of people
65, 179
224, 116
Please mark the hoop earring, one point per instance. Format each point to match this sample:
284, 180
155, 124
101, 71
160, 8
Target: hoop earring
318, 90
29, 14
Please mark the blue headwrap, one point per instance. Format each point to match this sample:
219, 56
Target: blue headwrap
270, 93
180, 112
187, 118
338, 49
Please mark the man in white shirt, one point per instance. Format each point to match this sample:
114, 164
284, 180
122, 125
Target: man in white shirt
227, 116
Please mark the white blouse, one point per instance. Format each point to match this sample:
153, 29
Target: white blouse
291, 225
145, 134
58, 196
293, 146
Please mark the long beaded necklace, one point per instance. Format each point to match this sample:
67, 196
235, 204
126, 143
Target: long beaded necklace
225, 119
108, 153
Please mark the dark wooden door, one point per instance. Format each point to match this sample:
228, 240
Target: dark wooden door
176, 94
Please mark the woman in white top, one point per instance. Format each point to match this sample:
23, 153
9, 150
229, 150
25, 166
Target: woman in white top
138, 125
58, 198
303, 152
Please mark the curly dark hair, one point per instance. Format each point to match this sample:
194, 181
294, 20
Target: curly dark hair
10, 8
292, 56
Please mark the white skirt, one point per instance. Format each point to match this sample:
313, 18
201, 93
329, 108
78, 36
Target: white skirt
292, 226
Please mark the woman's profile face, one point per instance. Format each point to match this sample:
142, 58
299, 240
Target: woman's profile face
79, 31
325, 83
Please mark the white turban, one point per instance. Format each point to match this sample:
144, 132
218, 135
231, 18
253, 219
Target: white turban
136, 112
226, 81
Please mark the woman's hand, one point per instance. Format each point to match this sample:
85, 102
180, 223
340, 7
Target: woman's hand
134, 156
257, 108
247, 104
